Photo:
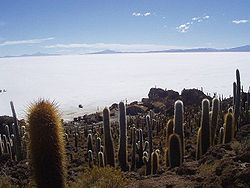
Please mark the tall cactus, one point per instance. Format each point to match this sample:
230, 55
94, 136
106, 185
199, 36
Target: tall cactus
205, 127
150, 141
229, 128
90, 142
178, 122
174, 151
16, 131
214, 119
237, 108
47, 145
133, 160
140, 148
108, 140
122, 153
170, 128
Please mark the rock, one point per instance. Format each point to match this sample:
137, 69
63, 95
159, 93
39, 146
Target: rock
158, 93
193, 97
135, 109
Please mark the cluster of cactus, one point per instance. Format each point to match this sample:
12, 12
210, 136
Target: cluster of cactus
13, 139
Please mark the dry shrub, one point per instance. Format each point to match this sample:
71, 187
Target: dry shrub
102, 178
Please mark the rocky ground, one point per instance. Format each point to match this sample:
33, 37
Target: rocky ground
225, 165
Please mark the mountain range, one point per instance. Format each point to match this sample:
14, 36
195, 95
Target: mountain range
245, 48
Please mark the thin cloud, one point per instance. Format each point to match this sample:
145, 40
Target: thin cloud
112, 46
183, 28
29, 41
240, 21
141, 14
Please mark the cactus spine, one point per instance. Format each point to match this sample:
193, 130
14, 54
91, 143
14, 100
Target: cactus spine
174, 151
122, 153
214, 119
205, 127
229, 128
47, 145
108, 140
178, 122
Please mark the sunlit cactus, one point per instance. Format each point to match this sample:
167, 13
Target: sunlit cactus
178, 122
214, 119
90, 159
155, 162
90, 142
101, 162
46, 145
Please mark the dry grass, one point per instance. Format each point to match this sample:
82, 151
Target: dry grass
5, 183
208, 169
102, 178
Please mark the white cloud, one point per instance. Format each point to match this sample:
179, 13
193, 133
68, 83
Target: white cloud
141, 14
147, 14
136, 14
183, 28
29, 41
240, 21
112, 46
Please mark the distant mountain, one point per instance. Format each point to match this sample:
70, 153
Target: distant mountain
32, 55
245, 48
106, 52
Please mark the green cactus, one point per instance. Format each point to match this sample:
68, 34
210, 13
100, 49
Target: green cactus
214, 119
205, 127
146, 162
108, 140
155, 163
174, 151
229, 128
122, 152
46, 145
178, 122
98, 145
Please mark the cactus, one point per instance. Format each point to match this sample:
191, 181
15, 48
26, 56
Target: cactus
198, 145
174, 151
170, 128
214, 119
237, 107
90, 159
167, 159
155, 163
108, 140
145, 161
150, 141
90, 142
122, 153
229, 128
1, 145
101, 162
221, 135
205, 127
98, 145
234, 93
133, 165
140, 148
178, 122
146, 146
46, 144
16, 133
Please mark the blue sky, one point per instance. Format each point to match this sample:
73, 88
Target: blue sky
79, 26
